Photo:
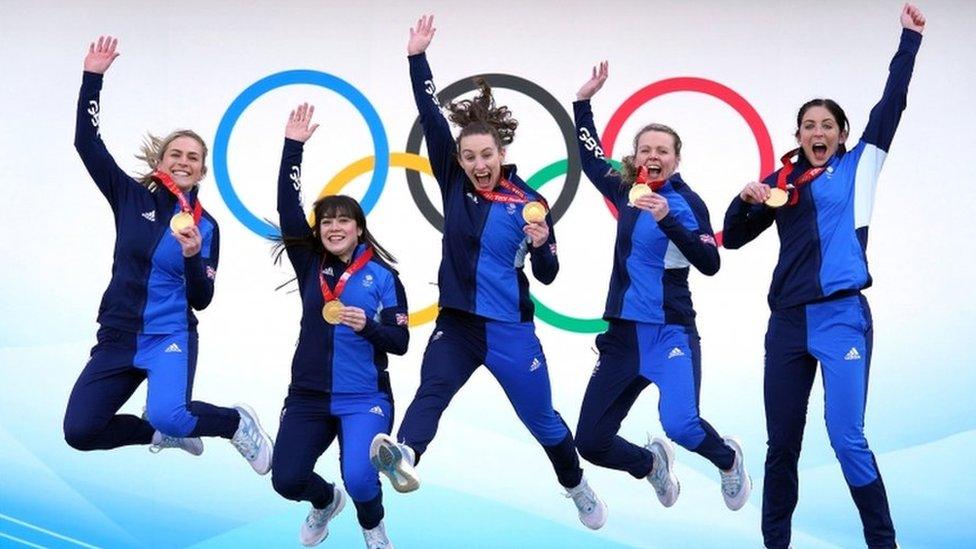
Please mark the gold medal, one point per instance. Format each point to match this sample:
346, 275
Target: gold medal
777, 198
638, 191
181, 221
331, 310
534, 212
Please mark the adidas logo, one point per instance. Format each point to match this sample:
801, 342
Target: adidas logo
675, 352
377, 410
536, 364
852, 354
327, 271
150, 215
472, 197
437, 335
173, 348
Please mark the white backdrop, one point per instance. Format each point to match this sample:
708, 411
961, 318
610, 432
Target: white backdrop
486, 482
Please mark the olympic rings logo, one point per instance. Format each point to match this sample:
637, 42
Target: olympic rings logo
382, 159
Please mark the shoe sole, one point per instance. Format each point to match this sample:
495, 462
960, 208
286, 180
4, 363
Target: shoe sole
268, 443
669, 455
739, 502
342, 503
387, 458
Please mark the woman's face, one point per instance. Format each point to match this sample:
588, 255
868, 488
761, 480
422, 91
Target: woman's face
481, 159
655, 151
819, 135
340, 235
183, 161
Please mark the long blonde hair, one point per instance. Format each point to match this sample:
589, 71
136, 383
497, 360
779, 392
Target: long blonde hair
152, 149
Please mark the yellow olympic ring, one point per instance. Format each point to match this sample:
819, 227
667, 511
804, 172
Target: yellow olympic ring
363, 165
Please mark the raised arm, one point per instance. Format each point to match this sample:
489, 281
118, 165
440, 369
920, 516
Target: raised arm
109, 178
885, 116
595, 165
441, 148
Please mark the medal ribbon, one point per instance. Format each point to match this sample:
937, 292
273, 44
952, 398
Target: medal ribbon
327, 293
804, 178
493, 196
167, 182
642, 180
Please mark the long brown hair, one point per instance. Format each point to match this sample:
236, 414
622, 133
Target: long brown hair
480, 116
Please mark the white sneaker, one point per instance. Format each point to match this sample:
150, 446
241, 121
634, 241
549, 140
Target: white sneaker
316, 525
251, 440
661, 477
376, 538
592, 510
394, 460
736, 483
192, 445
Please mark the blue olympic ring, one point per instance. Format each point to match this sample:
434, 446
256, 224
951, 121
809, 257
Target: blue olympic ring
381, 147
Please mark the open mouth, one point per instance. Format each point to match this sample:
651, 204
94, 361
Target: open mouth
336, 238
482, 179
819, 150
654, 171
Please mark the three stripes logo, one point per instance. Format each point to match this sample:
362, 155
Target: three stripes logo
852, 354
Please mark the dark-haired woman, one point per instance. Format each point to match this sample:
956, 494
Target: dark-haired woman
652, 336
818, 312
354, 312
165, 262
486, 313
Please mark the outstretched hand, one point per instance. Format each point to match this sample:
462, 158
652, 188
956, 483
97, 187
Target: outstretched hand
101, 54
298, 127
421, 35
593, 85
912, 18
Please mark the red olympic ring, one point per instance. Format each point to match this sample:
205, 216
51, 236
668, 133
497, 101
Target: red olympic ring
701, 85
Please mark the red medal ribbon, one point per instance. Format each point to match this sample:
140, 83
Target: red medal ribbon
493, 196
642, 180
167, 182
327, 293
804, 178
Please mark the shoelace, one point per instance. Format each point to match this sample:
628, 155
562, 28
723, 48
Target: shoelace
247, 442
316, 518
659, 476
584, 499
731, 482
165, 442
375, 538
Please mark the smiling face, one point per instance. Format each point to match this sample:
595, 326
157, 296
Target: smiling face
481, 159
183, 159
656, 150
819, 135
340, 235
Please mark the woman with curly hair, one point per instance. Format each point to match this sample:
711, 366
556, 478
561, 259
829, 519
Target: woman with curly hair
492, 221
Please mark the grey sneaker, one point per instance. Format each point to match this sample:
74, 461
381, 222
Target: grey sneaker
316, 525
736, 483
251, 440
192, 445
592, 510
394, 460
376, 538
661, 477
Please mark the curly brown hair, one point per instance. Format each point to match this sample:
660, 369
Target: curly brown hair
480, 116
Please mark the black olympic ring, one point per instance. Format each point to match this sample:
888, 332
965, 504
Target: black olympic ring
526, 87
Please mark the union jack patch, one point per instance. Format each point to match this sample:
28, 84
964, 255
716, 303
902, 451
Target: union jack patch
552, 248
707, 239
211, 272
401, 319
